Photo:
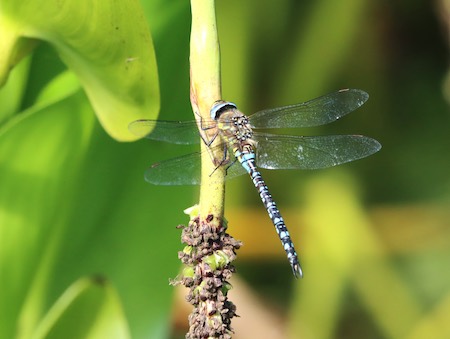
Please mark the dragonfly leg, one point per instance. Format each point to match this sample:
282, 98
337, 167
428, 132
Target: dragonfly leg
225, 160
204, 135
231, 164
209, 142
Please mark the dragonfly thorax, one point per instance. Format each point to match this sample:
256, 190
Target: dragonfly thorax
241, 128
234, 126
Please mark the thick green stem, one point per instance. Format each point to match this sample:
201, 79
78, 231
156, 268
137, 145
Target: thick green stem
205, 90
209, 250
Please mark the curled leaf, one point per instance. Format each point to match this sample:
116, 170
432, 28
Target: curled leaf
106, 43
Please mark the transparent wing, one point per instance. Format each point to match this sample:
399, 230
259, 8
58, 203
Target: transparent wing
185, 170
296, 152
316, 112
273, 152
176, 132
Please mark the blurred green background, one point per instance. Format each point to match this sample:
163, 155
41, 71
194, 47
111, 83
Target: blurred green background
373, 235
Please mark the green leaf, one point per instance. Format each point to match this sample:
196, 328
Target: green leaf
11, 95
107, 44
90, 308
73, 201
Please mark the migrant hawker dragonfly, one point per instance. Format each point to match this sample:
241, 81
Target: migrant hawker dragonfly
253, 149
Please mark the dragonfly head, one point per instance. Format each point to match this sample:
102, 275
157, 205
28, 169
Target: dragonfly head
219, 107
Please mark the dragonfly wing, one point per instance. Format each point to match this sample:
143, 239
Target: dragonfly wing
176, 132
316, 112
234, 169
296, 152
186, 170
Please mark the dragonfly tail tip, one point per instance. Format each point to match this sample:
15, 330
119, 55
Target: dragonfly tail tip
297, 270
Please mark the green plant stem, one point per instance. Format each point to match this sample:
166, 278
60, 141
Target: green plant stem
209, 250
205, 90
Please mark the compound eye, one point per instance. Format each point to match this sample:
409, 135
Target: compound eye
219, 107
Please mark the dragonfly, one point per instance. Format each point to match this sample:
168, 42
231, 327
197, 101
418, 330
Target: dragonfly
244, 145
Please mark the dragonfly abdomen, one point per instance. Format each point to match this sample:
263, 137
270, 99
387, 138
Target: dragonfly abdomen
247, 160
